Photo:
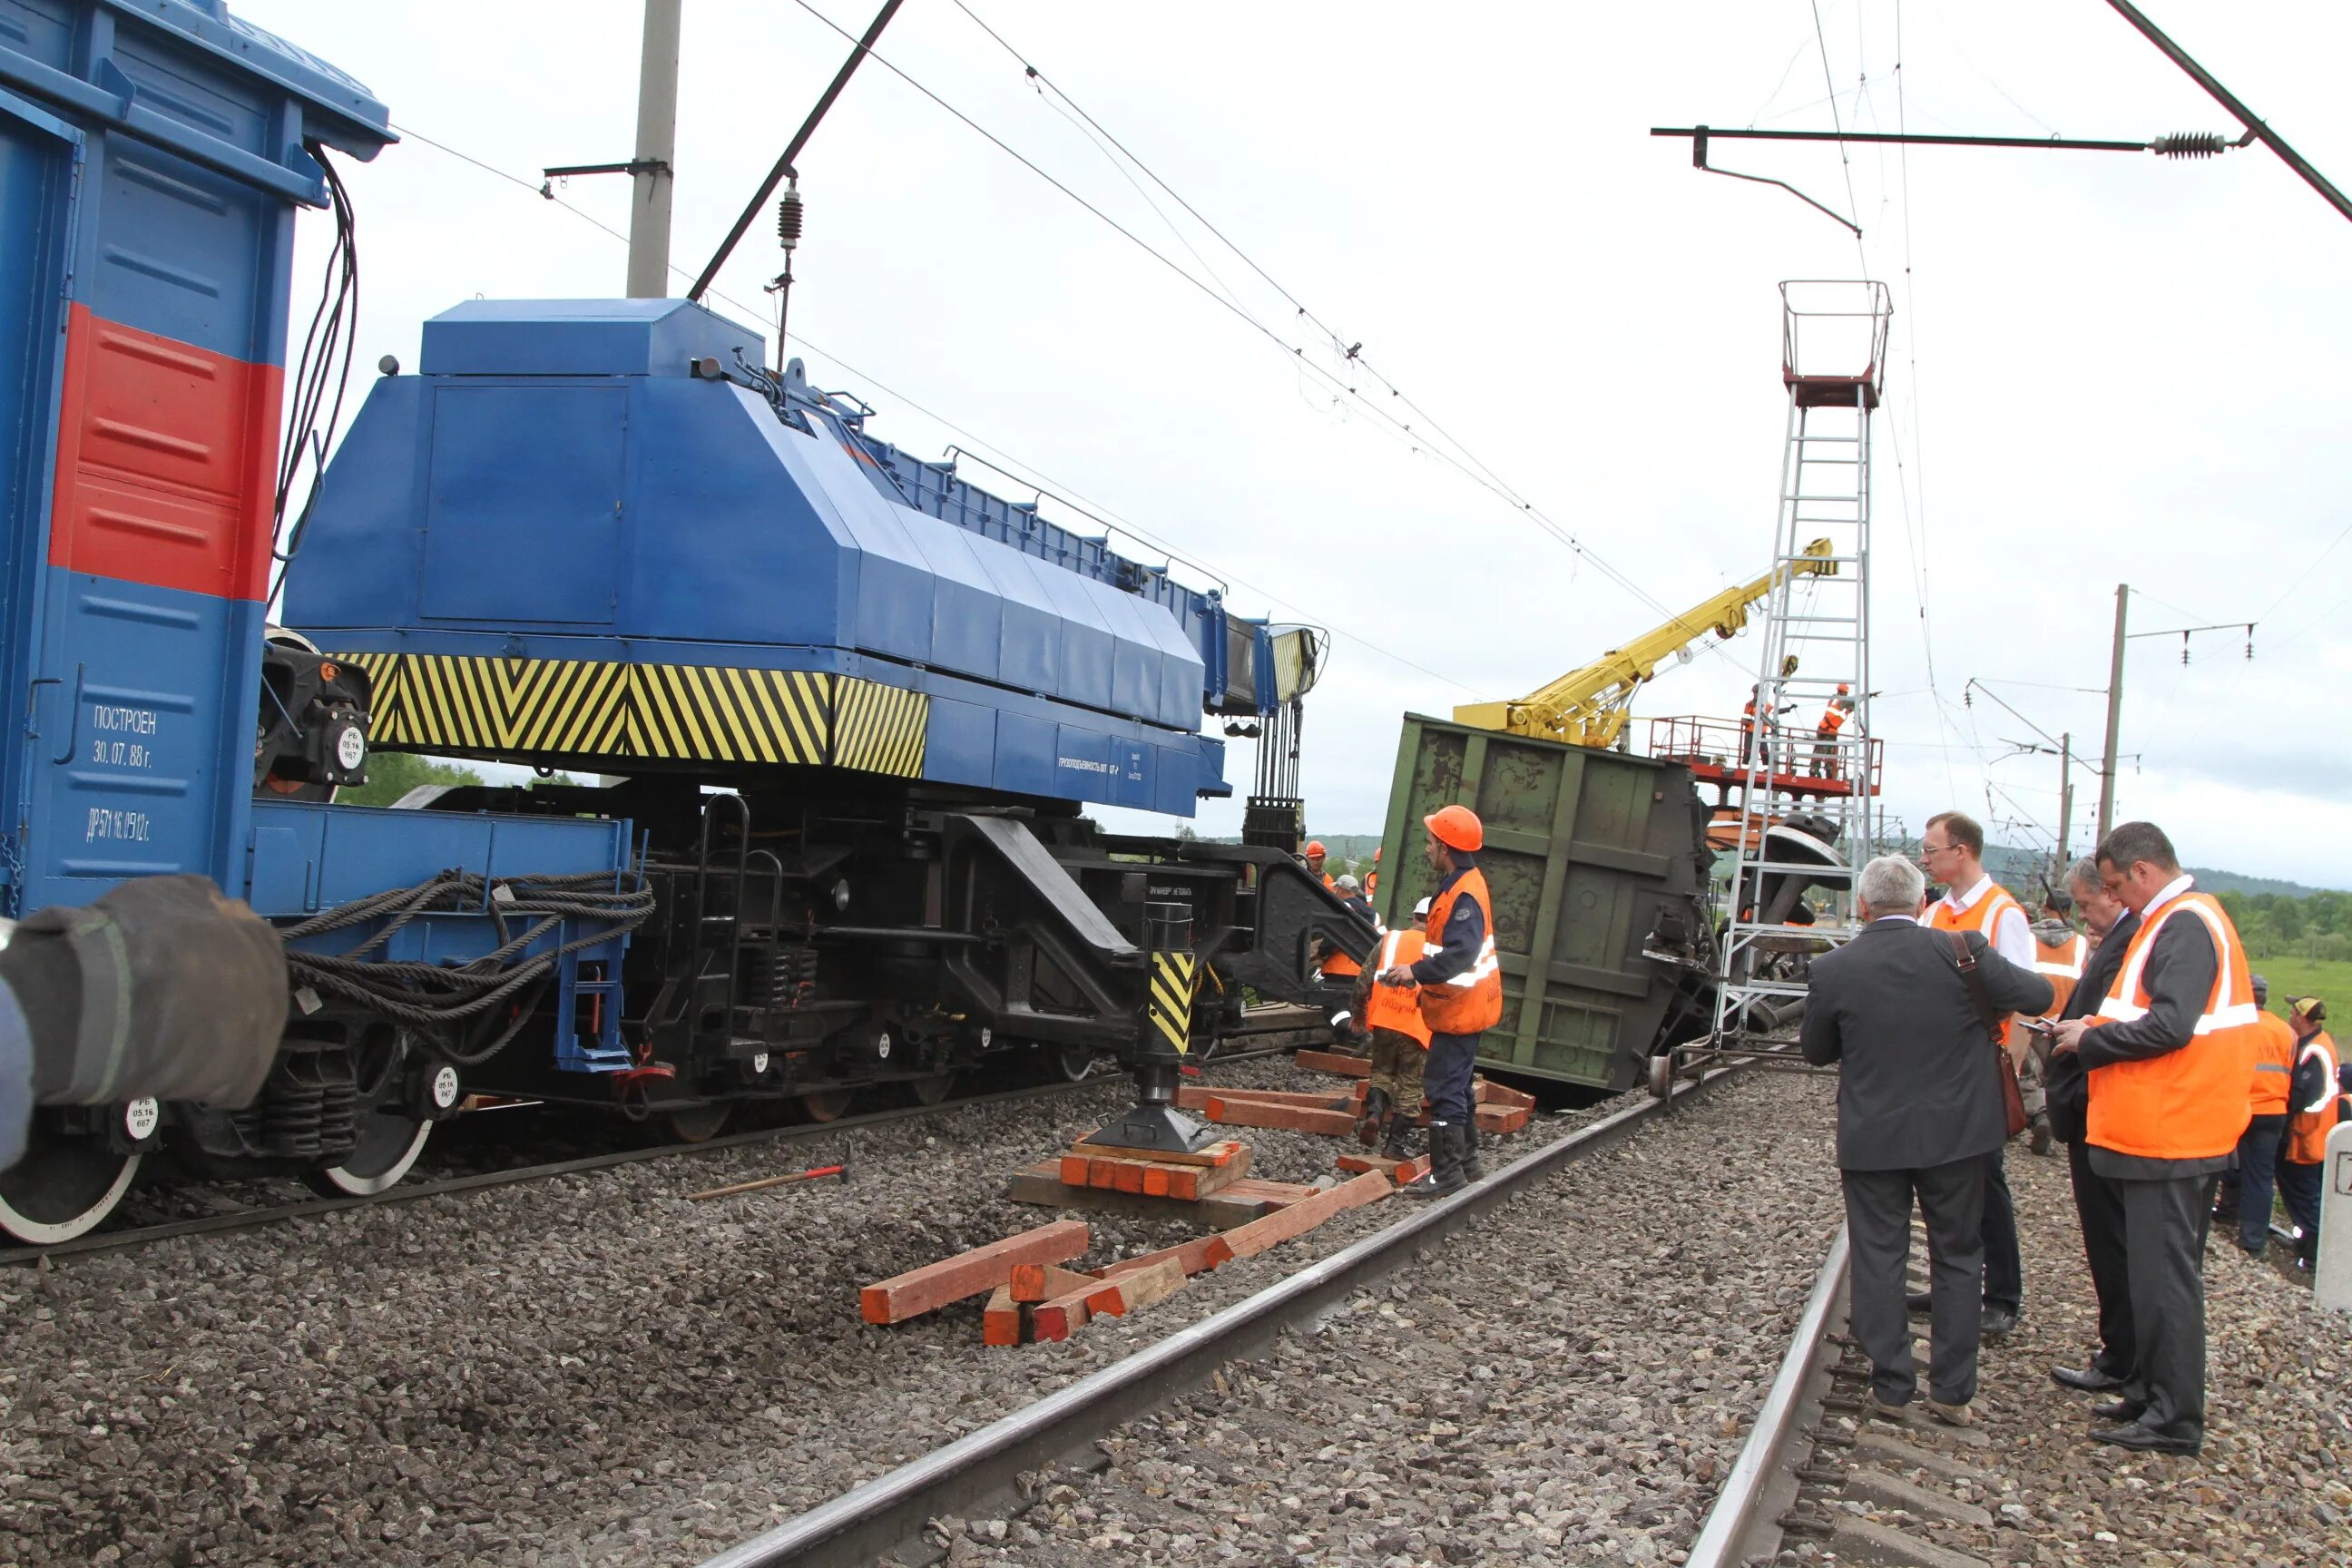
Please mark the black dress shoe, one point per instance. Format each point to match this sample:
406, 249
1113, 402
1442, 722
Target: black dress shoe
2087, 1380
1920, 1302
2117, 1410
2145, 1440
1996, 1323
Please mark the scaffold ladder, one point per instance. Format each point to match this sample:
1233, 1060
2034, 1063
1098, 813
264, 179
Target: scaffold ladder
1800, 846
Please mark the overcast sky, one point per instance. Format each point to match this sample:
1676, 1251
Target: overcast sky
2107, 367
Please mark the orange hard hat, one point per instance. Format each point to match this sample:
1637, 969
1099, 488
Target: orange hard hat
1456, 827
1315, 847
1376, 854
1843, 689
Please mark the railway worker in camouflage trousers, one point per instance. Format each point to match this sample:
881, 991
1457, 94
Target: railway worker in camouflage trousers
1399, 1044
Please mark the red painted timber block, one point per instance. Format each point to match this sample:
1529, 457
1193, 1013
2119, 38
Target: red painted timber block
1398, 1170
1293, 1118
1197, 1256
1280, 1194
1055, 1320
1332, 1061
1000, 1321
1249, 1240
1042, 1282
1141, 1288
1502, 1122
1505, 1097
974, 1273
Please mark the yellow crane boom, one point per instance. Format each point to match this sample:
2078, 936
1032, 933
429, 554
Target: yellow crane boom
1588, 707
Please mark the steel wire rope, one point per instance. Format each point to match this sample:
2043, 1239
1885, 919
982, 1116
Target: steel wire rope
1112, 518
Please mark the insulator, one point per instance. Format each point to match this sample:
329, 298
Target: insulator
2189, 144
788, 217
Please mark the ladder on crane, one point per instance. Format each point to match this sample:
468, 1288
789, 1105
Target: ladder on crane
1796, 843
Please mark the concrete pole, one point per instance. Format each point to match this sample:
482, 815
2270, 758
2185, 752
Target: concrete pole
2115, 713
656, 143
2065, 800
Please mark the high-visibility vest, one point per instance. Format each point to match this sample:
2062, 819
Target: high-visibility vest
1398, 1007
1832, 721
2307, 1129
1979, 917
2274, 1065
2188, 1104
2060, 963
1473, 1000
1371, 881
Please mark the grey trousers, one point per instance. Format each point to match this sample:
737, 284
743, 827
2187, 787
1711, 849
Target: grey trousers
1879, 1232
2165, 1224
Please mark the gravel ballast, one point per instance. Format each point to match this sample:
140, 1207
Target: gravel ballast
1569, 1379
585, 1368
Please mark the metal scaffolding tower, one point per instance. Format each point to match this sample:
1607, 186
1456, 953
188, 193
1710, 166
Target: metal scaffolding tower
1807, 796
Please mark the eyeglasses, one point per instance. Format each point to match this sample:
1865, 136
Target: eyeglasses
1928, 850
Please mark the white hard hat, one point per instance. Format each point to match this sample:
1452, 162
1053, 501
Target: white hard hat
1422, 908
1346, 882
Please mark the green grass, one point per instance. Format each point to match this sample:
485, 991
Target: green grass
2331, 981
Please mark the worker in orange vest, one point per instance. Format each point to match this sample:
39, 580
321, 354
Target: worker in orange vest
2315, 1102
1337, 965
1951, 850
1825, 733
1314, 855
2244, 1198
1372, 877
1400, 1043
1461, 982
2170, 1053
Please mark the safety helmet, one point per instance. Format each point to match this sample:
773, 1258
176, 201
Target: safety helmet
1843, 689
1421, 909
1315, 847
1347, 883
1456, 827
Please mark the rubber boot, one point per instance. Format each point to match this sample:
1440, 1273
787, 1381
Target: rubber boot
1397, 1143
1444, 1164
1472, 1171
1375, 1113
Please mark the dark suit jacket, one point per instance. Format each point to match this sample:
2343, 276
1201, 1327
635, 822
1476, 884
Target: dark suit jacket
1915, 1084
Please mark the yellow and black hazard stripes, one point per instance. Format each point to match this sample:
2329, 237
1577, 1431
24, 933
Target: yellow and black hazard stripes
593, 709
880, 729
712, 713
1170, 1006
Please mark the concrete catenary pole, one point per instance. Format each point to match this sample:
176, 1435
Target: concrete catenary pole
2115, 713
657, 147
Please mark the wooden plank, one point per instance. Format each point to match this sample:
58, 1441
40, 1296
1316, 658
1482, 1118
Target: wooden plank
1333, 1061
1321, 1100
1504, 1097
1276, 1194
1043, 1281
1197, 1256
1000, 1321
1141, 1288
1398, 1170
1298, 1218
1502, 1122
1055, 1320
967, 1274
1216, 1153
1041, 1183
1289, 1117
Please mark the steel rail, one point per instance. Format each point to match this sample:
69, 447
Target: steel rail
252, 1218
1723, 1538
892, 1509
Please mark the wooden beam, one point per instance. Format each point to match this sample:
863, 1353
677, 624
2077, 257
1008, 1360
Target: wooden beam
967, 1274
1216, 1153
1290, 1118
1000, 1321
1140, 1288
1055, 1320
1333, 1061
1398, 1170
1197, 1256
1249, 1240
1244, 1200
1043, 1281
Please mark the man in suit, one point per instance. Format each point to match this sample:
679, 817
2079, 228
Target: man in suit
2098, 1206
1919, 1112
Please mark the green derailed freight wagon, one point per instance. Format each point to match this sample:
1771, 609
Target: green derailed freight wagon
1599, 864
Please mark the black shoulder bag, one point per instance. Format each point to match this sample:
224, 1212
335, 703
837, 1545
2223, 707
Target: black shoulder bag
2012, 1103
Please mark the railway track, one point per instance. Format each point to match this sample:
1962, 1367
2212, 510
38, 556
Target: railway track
893, 1510
1263, 1045
1817, 1466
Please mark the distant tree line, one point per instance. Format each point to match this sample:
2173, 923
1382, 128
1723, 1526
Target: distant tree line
2315, 926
